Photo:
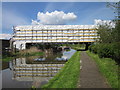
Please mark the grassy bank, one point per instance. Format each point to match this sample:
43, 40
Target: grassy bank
68, 75
8, 58
33, 51
77, 46
108, 68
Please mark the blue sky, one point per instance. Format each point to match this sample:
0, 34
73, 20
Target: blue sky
22, 13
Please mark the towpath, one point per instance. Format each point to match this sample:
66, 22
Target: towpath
90, 77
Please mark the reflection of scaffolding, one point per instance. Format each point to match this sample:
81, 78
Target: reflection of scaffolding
54, 33
21, 69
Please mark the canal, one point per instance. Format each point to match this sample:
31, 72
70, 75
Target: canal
25, 72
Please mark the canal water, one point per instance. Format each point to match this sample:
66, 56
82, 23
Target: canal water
36, 71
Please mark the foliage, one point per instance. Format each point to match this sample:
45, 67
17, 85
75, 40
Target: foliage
109, 38
94, 48
105, 34
116, 32
106, 50
28, 52
108, 34
68, 75
77, 46
108, 68
6, 59
33, 51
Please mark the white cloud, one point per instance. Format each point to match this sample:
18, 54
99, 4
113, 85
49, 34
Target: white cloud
104, 22
54, 18
5, 36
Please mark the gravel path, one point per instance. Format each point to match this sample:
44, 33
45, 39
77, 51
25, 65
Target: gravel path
90, 77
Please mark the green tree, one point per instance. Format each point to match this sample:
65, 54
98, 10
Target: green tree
105, 34
108, 34
116, 31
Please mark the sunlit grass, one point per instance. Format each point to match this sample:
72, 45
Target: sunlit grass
108, 68
68, 75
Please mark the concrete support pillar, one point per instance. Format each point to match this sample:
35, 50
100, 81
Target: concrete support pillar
19, 45
87, 45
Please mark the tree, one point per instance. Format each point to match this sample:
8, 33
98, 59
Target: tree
116, 31
105, 34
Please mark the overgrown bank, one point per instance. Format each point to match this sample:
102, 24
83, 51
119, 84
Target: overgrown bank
108, 68
33, 51
68, 75
107, 50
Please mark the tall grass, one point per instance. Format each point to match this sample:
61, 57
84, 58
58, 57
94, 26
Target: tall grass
108, 68
33, 51
68, 75
29, 52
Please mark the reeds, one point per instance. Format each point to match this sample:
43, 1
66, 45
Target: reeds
31, 51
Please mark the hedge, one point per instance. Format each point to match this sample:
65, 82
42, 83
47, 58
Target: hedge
107, 50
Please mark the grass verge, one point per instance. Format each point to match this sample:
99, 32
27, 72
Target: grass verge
30, 54
6, 59
68, 75
9, 58
108, 68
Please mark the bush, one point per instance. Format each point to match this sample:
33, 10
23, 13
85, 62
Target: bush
116, 55
94, 48
90, 48
27, 52
107, 50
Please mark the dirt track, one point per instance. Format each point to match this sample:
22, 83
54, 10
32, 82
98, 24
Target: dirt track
90, 77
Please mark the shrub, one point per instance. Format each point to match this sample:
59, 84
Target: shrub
116, 56
27, 52
94, 48
106, 51
90, 48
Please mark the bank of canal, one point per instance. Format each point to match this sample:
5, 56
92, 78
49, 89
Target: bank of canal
68, 75
33, 71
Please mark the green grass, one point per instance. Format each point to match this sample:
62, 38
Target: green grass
6, 59
9, 58
77, 46
68, 75
30, 54
108, 68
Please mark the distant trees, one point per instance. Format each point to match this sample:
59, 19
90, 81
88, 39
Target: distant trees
108, 34
108, 45
116, 30
105, 34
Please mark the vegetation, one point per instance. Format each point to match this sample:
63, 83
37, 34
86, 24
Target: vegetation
108, 68
109, 39
78, 46
75, 46
107, 50
6, 59
68, 75
33, 51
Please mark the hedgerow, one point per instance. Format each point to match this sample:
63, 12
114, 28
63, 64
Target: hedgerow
110, 50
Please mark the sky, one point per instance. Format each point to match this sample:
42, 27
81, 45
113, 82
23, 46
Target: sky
52, 13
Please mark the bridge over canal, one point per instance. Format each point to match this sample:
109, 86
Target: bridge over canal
24, 35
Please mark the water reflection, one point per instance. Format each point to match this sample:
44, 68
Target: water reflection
59, 57
35, 70
22, 69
